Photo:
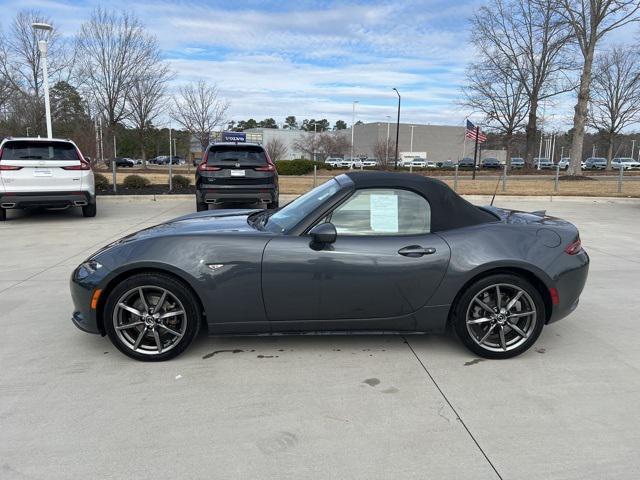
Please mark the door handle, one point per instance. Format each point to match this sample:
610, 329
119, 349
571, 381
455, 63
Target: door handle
416, 251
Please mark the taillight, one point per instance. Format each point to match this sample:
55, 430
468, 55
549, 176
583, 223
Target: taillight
574, 247
84, 165
9, 167
268, 168
203, 167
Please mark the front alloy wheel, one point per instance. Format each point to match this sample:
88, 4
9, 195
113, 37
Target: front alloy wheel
500, 316
151, 317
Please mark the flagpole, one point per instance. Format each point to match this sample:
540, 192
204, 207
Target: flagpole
464, 141
475, 153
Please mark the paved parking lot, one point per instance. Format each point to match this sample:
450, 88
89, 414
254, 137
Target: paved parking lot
73, 407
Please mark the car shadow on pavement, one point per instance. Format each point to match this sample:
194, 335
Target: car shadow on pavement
43, 214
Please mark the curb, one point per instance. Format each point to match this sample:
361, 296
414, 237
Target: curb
471, 198
552, 198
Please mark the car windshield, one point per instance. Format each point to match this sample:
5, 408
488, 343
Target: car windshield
232, 154
292, 214
25, 150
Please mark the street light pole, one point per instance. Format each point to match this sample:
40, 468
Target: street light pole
395, 165
42, 46
353, 127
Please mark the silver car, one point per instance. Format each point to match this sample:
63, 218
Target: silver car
626, 163
543, 163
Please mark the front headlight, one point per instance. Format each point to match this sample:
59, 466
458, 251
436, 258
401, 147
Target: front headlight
87, 268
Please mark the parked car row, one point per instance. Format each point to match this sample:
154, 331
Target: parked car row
164, 160
337, 162
489, 163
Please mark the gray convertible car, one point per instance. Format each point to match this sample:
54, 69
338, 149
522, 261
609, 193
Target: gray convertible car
366, 252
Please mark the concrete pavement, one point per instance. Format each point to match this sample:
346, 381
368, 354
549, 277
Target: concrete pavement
72, 406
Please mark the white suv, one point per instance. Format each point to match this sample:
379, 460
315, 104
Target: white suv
44, 172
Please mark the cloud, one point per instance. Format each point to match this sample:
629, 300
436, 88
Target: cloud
310, 58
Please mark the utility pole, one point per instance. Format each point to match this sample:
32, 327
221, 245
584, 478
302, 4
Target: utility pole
540, 151
411, 143
353, 127
395, 165
386, 160
633, 147
170, 162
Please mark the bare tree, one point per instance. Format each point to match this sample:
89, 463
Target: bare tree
615, 99
308, 144
20, 67
276, 149
112, 50
145, 102
322, 145
501, 98
526, 41
590, 21
199, 110
384, 151
334, 144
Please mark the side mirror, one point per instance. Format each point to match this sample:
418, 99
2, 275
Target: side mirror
324, 233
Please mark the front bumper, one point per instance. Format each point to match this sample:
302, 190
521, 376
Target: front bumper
46, 199
82, 290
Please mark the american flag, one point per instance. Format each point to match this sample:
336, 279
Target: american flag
471, 133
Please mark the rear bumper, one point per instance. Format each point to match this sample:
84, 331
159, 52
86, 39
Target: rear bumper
229, 194
46, 199
569, 285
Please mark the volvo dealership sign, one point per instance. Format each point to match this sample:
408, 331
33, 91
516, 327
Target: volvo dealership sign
234, 137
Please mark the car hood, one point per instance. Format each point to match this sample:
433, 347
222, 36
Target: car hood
210, 222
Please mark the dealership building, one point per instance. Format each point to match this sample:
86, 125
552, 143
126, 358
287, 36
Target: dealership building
435, 142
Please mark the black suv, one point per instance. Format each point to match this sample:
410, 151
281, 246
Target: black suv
236, 173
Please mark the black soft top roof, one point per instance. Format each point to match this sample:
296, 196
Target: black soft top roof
448, 209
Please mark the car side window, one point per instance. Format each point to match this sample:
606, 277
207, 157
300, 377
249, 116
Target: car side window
383, 212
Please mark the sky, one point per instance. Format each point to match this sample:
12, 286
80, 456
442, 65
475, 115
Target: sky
311, 59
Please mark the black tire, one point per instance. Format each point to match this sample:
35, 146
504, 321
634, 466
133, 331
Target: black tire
89, 210
273, 205
149, 281
3, 214
466, 304
201, 206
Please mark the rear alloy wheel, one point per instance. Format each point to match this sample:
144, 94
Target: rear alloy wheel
89, 210
151, 317
499, 316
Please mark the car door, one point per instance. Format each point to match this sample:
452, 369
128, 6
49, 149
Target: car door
384, 265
